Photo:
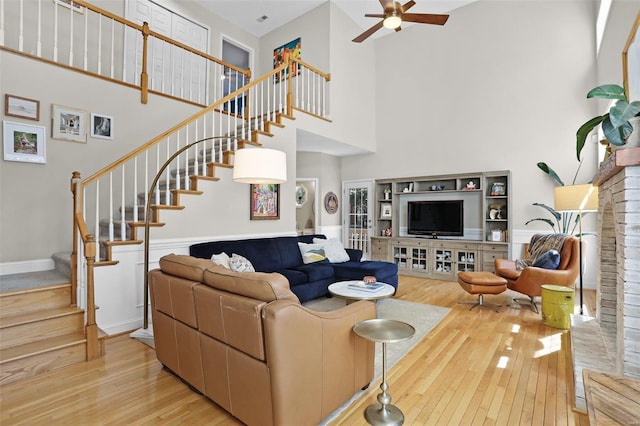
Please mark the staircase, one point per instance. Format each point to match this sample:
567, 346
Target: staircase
40, 331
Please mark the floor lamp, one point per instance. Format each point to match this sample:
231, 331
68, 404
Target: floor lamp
577, 199
250, 165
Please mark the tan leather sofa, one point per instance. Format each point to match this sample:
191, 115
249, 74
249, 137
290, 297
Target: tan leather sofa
245, 341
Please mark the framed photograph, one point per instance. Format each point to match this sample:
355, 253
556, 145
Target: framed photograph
265, 201
385, 211
70, 4
101, 126
68, 124
15, 106
24, 142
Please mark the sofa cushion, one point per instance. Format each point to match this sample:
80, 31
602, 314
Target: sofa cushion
256, 285
294, 276
240, 264
185, 266
221, 259
333, 249
549, 260
317, 271
311, 253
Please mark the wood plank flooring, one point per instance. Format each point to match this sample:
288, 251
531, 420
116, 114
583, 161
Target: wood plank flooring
475, 367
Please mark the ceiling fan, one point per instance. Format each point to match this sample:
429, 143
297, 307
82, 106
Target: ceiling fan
393, 16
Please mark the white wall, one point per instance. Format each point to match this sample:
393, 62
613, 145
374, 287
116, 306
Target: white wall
499, 87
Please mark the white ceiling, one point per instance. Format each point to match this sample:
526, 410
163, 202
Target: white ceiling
245, 13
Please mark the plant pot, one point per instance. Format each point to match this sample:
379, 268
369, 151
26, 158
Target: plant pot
633, 141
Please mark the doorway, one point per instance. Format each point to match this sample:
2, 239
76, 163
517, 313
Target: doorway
357, 223
306, 206
239, 56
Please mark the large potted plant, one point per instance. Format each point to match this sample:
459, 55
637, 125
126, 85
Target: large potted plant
618, 124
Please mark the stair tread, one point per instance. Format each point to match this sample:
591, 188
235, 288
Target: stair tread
41, 346
17, 282
33, 316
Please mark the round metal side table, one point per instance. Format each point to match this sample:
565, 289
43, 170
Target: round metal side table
384, 331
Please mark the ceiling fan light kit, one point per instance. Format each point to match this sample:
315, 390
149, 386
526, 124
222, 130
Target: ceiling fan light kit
393, 16
392, 21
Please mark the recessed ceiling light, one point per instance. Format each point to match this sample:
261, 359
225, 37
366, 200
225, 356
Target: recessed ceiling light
262, 18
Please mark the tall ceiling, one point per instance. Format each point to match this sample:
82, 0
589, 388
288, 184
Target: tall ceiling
247, 13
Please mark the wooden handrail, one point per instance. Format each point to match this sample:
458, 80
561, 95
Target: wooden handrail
326, 75
159, 36
180, 125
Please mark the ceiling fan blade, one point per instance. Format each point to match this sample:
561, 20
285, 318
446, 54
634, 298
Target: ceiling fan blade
425, 18
384, 3
374, 15
362, 37
398, 29
408, 5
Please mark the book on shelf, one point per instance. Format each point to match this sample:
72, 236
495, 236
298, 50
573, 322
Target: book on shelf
370, 287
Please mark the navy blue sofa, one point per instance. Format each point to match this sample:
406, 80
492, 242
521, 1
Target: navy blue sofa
282, 255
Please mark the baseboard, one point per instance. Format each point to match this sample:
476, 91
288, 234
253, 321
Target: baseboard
21, 267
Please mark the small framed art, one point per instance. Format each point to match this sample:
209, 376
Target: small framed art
385, 211
24, 142
265, 201
331, 202
68, 124
101, 126
16, 106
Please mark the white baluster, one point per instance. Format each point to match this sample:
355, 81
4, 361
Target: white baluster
97, 220
100, 44
71, 5
135, 189
123, 230
86, 38
21, 33
2, 23
111, 237
39, 41
55, 33
113, 44
177, 164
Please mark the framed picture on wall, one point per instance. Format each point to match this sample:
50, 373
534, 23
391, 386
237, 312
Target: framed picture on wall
101, 126
265, 201
23, 142
16, 106
68, 124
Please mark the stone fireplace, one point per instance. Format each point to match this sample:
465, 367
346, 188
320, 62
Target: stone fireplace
610, 341
618, 286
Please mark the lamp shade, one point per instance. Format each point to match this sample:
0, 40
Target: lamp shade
260, 165
576, 198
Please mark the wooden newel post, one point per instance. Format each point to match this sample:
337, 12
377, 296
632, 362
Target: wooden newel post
290, 65
91, 329
75, 179
246, 96
144, 77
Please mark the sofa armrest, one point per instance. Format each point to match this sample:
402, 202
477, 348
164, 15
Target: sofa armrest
315, 359
355, 255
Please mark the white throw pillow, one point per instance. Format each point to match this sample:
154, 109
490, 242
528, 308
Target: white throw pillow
221, 259
311, 253
333, 250
240, 264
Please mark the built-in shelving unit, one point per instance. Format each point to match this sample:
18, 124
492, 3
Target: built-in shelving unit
486, 198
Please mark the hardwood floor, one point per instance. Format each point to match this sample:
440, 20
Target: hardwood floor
475, 367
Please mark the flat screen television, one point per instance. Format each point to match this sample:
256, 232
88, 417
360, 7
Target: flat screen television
436, 218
